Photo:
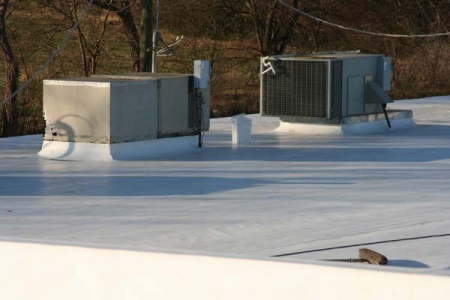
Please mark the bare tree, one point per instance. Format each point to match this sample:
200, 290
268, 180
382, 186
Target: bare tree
124, 10
90, 51
10, 113
273, 26
146, 36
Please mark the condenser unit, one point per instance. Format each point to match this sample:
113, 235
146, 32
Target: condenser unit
324, 87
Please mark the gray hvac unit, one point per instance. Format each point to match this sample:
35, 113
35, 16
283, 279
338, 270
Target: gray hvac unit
324, 87
176, 99
121, 108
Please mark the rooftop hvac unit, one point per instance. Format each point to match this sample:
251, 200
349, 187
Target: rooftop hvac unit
324, 87
109, 109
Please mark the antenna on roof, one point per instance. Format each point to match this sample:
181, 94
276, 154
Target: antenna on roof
169, 50
166, 50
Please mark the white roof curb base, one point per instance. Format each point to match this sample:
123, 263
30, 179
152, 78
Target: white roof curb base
364, 124
151, 149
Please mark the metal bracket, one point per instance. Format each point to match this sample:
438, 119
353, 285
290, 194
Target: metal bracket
267, 64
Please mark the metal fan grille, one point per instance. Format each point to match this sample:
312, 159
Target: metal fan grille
299, 89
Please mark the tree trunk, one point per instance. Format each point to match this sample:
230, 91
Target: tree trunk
273, 27
123, 10
132, 33
146, 35
10, 115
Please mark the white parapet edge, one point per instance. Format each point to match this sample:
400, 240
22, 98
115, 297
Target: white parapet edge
140, 150
55, 272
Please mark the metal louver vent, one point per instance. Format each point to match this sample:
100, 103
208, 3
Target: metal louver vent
303, 89
299, 88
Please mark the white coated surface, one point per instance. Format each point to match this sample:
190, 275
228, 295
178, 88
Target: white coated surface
160, 148
281, 193
241, 129
371, 127
202, 74
31, 271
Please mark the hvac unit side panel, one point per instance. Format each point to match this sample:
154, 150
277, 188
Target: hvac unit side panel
355, 67
193, 119
174, 110
355, 95
336, 89
206, 93
299, 89
134, 111
360, 66
384, 72
193, 111
76, 111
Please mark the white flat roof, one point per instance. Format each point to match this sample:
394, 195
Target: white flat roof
281, 193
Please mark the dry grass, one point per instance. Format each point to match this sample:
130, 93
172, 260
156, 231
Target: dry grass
423, 71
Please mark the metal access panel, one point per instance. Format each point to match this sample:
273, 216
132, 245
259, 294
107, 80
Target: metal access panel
176, 102
173, 105
133, 111
354, 71
384, 72
355, 95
